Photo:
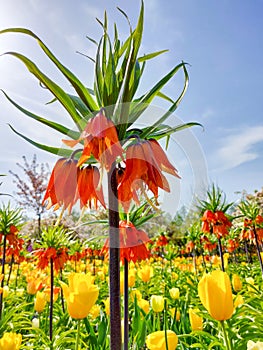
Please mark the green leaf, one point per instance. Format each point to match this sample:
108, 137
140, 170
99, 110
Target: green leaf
58, 127
77, 85
165, 130
143, 102
151, 55
58, 151
62, 97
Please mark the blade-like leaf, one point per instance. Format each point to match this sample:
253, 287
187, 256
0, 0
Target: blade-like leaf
144, 101
160, 133
77, 85
62, 97
58, 127
151, 55
58, 151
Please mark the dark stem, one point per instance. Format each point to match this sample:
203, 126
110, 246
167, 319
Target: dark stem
17, 275
61, 293
3, 273
11, 268
194, 260
39, 224
202, 255
258, 250
114, 261
221, 254
126, 304
247, 254
94, 265
51, 299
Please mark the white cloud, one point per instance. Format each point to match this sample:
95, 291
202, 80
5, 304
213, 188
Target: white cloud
240, 147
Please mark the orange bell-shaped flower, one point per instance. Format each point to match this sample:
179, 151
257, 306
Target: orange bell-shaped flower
89, 188
100, 140
61, 189
145, 162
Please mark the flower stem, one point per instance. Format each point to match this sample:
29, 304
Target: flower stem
126, 304
221, 254
78, 335
3, 273
227, 340
258, 250
51, 299
165, 324
114, 261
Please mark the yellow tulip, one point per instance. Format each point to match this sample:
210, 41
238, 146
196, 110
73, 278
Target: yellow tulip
5, 291
135, 293
10, 341
156, 340
145, 273
215, 293
94, 311
177, 315
250, 281
144, 304
157, 303
196, 321
33, 285
175, 276
107, 306
238, 301
131, 279
236, 283
81, 294
40, 301
174, 293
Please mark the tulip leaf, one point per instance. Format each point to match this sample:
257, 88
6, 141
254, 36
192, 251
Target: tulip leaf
81, 90
58, 151
102, 330
58, 127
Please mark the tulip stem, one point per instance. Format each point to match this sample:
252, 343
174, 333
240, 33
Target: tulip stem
78, 335
165, 324
227, 340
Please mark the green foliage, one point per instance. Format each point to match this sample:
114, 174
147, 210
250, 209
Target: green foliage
119, 69
216, 200
9, 217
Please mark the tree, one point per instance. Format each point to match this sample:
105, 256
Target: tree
31, 190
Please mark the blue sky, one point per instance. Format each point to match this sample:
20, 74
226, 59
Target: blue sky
222, 42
